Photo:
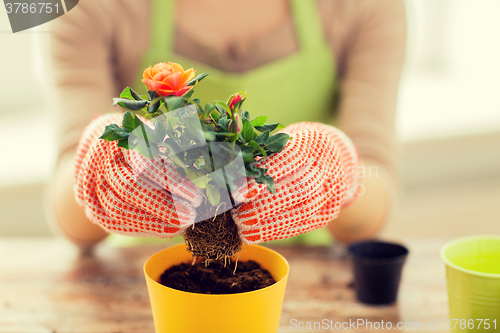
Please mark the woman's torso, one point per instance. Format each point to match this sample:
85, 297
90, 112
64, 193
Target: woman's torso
298, 87
288, 73
129, 33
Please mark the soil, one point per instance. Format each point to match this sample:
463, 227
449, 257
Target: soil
214, 238
217, 278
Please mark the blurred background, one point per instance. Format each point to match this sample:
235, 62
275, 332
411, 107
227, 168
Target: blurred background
448, 122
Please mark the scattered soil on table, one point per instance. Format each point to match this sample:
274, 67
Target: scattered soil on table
217, 278
216, 237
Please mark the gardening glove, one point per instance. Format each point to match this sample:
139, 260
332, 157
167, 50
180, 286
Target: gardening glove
315, 176
126, 193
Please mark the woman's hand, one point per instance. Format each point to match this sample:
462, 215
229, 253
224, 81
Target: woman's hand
126, 193
315, 176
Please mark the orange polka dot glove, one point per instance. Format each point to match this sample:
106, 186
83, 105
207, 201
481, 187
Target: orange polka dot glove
315, 176
126, 193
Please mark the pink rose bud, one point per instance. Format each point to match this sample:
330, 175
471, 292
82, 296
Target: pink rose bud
235, 100
239, 124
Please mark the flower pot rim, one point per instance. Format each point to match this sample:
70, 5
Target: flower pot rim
462, 240
260, 247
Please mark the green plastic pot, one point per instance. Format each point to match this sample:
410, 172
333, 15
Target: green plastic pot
473, 279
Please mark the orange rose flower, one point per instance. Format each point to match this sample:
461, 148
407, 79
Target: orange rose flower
168, 79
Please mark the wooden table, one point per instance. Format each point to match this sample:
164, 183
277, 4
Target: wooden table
45, 286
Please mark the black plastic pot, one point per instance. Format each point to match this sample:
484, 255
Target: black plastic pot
377, 270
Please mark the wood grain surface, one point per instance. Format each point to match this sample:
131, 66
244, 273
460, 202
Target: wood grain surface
47, 286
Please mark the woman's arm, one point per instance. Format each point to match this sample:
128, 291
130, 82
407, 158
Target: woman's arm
364, 218
96, 48
68, 218
81, 57
372, 59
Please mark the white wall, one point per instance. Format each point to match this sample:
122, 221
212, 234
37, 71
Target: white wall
26, 135
451, 85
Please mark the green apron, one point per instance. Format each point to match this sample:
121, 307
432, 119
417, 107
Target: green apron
300, 87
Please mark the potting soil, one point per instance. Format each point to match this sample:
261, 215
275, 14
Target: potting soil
217, 278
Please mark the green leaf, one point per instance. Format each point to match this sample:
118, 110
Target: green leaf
224, 123
181, 171
226, 135
197, 102
197, 79
269, 127
248, 133
257, 147
172, 148
208, 131
200, 163
191, 155
208, 160
170, 128
248, 157
129, 93
153, 107
123, 143
277, 142
184, 140
171, 145
209, 108
140, 141
153, 95
194, 127
268, 180
213, 195
209, 135
131, 121
223, 108
147, 148
255, 171
245, 115
198, 178
160, 130
218, 180
142, 138
130, 104
188, 94
174, 102
262, 138
215, 115
254, 144
248, 149
113, 132
259, 121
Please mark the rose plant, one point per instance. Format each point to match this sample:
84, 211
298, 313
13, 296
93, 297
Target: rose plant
171, 165
172, 88
169, 162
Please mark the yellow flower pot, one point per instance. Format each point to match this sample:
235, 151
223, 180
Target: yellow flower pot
177, 311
